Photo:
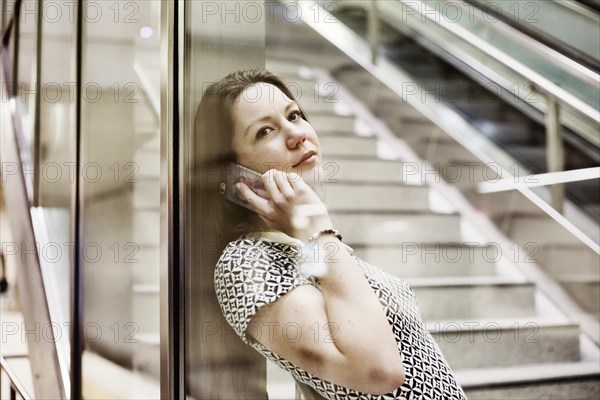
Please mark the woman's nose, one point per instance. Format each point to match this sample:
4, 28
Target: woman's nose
295, 135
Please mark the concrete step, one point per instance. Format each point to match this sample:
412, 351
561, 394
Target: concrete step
415, 131
569, 260
393, 228
428, 259
308, 91
442, 150
288, 69
367, 87
466, 174
540, 230
344, 196
305, 52
503, 203
346, 145
585, 290
332, 123
388, 109
338, 169
323, 105
565, 381
505, 342
473, 297
364, 85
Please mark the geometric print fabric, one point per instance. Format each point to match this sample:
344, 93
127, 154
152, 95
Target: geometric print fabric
252, 273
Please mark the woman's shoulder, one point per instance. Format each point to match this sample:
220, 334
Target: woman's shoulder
249, 252
253, 247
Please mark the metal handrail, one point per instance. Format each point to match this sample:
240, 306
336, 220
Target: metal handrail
16, 387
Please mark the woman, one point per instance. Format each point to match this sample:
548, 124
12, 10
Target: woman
353, 332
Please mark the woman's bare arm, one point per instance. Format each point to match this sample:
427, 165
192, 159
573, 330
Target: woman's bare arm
339, 334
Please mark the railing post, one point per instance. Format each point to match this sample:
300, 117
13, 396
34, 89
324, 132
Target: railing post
373, 27
555, 155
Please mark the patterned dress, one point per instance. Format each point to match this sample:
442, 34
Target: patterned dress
253, 272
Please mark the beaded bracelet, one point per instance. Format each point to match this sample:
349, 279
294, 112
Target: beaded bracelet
317, 235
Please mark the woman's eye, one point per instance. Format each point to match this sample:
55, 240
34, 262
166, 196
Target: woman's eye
263, 132
295, 115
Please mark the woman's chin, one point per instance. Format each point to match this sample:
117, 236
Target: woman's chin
312, 176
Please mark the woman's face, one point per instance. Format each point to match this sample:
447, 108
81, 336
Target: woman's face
270, 133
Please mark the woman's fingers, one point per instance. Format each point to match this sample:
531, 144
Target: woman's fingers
284, 185
263, 193
280, 191
259, 203
296, 180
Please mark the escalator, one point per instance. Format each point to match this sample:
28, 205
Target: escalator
506, 119
593, 4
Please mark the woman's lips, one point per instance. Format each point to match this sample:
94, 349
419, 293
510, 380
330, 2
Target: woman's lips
308, 161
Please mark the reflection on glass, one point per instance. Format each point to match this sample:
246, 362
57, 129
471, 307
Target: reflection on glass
222, 37
57, 144
26, 67
120, 183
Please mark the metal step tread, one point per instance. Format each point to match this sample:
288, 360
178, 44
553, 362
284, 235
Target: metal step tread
579, 278
339, 132
504, 323
462, 245
345, 135
359, 158
526, 373
465, 281
395, 213
366, 183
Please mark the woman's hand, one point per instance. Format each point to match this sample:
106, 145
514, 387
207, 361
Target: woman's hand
291, 206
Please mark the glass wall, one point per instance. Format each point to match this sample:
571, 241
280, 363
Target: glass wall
218, 40
26, 72
56, 146
120, 170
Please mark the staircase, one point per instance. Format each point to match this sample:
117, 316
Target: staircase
503, 336
503, 122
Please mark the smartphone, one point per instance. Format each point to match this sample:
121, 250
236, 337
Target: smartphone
235, 173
